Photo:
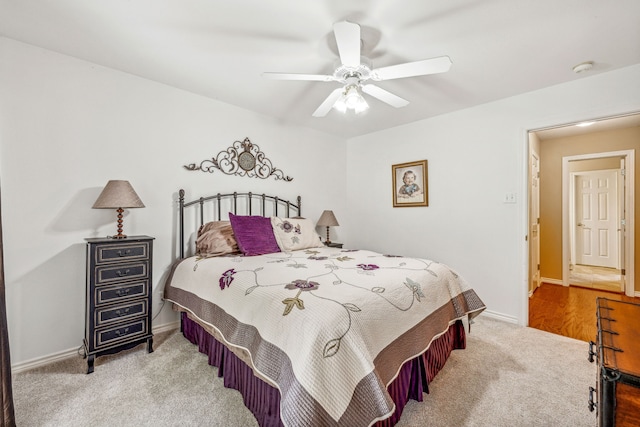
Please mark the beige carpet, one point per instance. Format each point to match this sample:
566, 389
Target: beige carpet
507, 376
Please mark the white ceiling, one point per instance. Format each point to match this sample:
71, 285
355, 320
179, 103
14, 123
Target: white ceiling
219, 48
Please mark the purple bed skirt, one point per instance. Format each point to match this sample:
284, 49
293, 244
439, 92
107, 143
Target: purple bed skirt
263, 400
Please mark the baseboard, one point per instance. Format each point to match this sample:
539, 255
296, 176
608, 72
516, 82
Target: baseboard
551, 281
17, 368
167, 327
74, 352
499, 316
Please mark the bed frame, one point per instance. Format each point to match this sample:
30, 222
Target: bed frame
212, 205
262, 399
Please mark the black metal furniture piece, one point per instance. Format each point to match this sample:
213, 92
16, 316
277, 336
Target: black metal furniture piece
118, 296
617, 351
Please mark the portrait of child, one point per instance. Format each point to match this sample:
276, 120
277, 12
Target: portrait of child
410, 188
409, 182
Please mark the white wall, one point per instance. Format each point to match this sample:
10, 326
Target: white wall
67, 127
475, 156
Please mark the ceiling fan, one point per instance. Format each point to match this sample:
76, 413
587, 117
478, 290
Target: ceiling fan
355, 70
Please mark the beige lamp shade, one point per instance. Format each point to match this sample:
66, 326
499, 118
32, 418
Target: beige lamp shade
118, 194
327, 219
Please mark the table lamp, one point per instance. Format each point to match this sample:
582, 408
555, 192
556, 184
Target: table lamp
118, 195
327, 219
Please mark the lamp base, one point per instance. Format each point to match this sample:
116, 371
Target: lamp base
328, 241
119, 235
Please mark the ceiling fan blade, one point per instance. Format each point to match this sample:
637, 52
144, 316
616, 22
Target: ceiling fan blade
348, 41
440, 64
384, 96
327, 104
293, 76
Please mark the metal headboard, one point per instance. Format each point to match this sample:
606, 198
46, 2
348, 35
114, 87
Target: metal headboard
216, 201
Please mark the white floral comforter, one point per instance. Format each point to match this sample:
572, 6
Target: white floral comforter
330, 328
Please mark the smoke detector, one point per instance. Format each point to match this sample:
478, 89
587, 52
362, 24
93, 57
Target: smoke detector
582, 67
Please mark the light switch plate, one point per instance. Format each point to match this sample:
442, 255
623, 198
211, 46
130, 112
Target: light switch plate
510, 198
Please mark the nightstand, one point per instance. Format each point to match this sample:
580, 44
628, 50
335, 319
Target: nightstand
118, 295
333, 245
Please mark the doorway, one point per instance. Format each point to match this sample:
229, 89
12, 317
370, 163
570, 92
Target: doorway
597, 221
546, 307
555, 258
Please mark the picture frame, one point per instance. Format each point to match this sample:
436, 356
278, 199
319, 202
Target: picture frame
410, 184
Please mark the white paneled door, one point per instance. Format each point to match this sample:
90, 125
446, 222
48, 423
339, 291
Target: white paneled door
597, 220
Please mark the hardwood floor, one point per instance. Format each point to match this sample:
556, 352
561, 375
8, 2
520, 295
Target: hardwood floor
568, 310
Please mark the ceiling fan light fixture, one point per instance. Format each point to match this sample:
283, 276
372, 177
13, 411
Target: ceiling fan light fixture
351, 99
361, 106
340, 105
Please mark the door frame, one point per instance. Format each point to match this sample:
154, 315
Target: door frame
629, 244
534, 270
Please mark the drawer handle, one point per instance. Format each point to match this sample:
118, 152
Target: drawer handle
124, 253
121, 274
591, 352
592, 404
123, 312
123, 292
122, 332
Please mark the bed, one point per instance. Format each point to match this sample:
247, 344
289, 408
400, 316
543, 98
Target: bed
311, 335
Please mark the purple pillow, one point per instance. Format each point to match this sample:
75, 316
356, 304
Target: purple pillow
254, 234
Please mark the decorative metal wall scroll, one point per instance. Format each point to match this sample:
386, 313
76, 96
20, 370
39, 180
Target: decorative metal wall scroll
242, 159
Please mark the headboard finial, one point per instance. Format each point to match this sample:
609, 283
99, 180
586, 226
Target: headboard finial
181, 217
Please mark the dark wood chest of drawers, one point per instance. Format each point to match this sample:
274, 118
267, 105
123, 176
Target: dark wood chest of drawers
118, 303
617, 351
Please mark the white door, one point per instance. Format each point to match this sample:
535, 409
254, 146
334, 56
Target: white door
596, 218
534, 224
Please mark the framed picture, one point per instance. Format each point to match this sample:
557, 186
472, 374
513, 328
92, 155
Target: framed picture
410, 184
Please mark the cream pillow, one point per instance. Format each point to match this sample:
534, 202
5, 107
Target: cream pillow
216, 238
293, 234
